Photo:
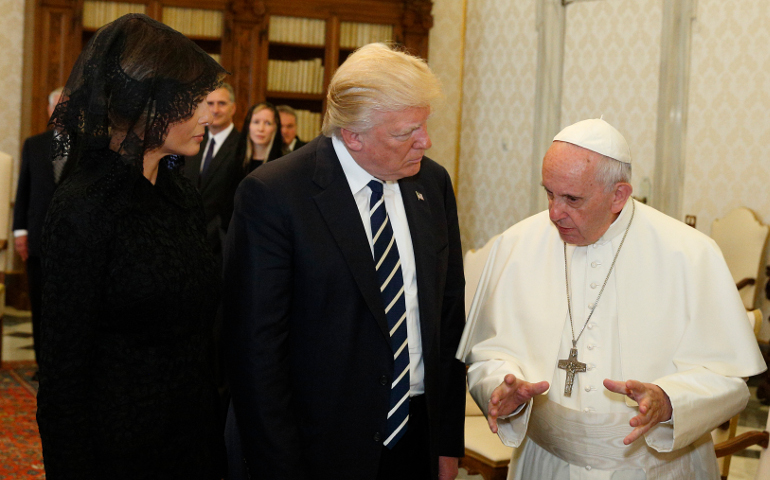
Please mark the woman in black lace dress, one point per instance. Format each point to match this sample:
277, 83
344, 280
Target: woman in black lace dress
126, 387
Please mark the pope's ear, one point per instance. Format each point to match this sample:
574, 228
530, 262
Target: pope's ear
352, 140
622, 194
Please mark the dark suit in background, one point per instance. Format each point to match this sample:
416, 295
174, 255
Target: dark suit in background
310, 358
217, 187
33, 196
297, 145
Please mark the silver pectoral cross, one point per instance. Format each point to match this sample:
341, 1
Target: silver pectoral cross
572, 366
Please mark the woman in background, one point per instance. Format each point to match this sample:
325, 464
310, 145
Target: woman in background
130, 284
258, 136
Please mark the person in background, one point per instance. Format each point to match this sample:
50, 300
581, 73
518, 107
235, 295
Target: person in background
215, 170
607, 339
291, 141
131, 286
258, 143
38, 179
344, 293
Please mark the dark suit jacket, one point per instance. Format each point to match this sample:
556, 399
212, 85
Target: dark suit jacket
310, 358
299, 144
217, 186
35, 190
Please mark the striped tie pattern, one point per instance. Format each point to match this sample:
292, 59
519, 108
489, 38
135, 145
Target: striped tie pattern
392, 289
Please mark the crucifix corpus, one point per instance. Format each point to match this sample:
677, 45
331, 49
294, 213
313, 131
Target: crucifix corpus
572, 366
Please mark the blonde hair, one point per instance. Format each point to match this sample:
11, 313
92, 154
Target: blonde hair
376, 78
246, 147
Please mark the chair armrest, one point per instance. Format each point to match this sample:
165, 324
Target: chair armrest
741, 442
745, 283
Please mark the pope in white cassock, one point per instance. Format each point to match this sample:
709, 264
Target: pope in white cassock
606, 339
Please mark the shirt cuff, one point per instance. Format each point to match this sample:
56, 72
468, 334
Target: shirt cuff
19, 233
515, 412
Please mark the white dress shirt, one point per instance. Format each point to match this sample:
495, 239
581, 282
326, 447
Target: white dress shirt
358, 179
220, 139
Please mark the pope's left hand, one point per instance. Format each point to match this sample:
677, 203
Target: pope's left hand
654, 405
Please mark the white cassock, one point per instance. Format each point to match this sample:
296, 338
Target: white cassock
669, 315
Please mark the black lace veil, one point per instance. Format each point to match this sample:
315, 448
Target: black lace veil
134, 79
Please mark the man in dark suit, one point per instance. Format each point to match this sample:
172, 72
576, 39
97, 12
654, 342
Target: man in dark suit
215, 170
344, 293
291, 141
37, 182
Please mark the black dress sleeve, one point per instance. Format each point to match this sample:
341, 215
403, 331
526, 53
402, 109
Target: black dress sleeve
74, 269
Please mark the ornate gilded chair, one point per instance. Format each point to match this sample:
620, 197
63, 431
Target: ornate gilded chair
742, 239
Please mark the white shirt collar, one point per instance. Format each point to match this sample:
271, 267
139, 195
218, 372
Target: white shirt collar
222, 136
357, 177
618, 227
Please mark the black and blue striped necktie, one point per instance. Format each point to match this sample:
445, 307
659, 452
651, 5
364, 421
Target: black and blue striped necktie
392, 289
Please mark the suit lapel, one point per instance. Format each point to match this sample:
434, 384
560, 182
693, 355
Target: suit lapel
219, 158
340, 213
418, 214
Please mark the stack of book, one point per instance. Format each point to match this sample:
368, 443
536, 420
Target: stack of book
194, 22
308, 124
354, 35
98, 14
304, 31
301, 76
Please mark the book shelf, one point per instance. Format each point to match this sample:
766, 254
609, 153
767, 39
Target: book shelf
295, 69
296, 52
204, 26
282, 51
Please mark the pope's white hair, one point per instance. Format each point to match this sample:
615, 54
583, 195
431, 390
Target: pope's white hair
610, 172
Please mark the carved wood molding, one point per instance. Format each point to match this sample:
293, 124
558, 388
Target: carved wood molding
70, 4
417, 17
247, 10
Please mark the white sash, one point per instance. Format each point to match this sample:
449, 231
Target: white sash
595, 439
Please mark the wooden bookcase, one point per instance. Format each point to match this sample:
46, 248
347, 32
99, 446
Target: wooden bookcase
242, 44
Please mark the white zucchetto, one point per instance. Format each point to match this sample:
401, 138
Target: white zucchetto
598, 136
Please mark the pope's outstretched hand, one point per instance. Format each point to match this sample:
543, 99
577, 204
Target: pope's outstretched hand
509, 395
654, 405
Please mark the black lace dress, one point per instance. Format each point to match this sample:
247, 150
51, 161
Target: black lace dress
126, 387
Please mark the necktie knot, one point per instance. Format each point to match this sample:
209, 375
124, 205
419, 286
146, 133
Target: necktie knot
376, 187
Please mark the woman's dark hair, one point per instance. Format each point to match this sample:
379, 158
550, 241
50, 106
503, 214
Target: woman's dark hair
245, 147
136, 77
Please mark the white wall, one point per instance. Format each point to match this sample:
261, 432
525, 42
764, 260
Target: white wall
445, 58
728, 133
497, 117
611, 68
11, 44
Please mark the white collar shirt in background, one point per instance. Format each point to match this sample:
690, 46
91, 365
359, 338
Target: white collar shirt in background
220, 139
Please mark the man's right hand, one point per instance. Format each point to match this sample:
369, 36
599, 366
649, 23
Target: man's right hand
21, 246
509, 395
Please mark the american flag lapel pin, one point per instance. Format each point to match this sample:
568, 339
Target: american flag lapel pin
419, 196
